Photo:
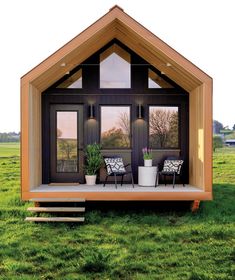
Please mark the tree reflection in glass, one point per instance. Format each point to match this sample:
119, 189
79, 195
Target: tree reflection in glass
115, 127
163, 127
66, 141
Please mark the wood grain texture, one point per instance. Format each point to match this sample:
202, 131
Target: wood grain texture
118, 196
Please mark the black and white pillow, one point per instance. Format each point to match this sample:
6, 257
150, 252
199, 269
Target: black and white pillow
172, 165
114, 165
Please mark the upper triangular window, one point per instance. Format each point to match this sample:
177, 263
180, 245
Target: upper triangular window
156, 81
73, 81
115, 68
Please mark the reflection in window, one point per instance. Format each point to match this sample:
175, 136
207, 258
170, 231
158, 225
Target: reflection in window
66, 141
155, 81
115, 127
163, 127
115, 69
73, 81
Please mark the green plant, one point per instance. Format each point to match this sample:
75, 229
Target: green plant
147, 153
94, 159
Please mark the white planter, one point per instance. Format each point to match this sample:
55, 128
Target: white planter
90, 180
148, 162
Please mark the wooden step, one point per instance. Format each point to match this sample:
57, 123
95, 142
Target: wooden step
56, 209
56, 199
55, 219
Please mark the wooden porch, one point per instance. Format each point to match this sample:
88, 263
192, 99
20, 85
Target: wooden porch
122, 193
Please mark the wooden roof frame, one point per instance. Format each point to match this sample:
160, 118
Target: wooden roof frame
117, 24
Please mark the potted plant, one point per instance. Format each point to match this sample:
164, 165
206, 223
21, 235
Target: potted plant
148, 156
93, 161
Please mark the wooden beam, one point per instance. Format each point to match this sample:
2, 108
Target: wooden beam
55, 219
57, 199
56, 209
116, 196
195, 206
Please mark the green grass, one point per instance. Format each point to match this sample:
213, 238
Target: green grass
224, 166
125, 244
9, 149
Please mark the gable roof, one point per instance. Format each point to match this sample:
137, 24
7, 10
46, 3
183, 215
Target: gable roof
116, 24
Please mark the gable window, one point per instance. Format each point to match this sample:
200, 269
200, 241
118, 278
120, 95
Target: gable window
156, 81
115, 127
115, 68
73, 81
163, 127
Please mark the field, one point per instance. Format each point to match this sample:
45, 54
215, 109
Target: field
9, 149
130, 244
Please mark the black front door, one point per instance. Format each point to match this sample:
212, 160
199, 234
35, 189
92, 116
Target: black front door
66, 143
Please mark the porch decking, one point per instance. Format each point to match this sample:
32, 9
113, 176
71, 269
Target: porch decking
111, 188
122, 193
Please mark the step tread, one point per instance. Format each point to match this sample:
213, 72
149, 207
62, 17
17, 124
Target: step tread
56, 199
54, 219
56, 209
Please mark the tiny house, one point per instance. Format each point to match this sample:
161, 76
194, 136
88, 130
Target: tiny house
119, 85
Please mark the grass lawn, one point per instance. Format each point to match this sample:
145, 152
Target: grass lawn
9, 149
122, 244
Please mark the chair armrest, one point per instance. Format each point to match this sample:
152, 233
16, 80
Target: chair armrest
108, 165
128, 165
179, 169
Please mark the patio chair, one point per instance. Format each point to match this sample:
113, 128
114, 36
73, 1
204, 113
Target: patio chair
115, 167
172, 167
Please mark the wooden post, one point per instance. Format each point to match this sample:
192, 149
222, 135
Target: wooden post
195, 206
36, 204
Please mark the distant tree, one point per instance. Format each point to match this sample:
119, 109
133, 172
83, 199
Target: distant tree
163, 129
59, 133
217, 142
67, 147
9, 137
124, 124
234, 127
173, 130
114, 138
217, 127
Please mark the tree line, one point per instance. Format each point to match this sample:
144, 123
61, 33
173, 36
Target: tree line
221, 133
9, 137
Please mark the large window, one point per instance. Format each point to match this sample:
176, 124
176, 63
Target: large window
163, 127
115, 127
115, 69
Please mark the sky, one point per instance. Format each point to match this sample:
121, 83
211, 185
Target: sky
201, 30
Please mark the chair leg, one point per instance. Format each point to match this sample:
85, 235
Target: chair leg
105, 181
132, 180
173, 180
165, 179
122, 180
115, 178
157, 180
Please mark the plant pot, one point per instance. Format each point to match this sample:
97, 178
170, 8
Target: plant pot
90, 180
148, 162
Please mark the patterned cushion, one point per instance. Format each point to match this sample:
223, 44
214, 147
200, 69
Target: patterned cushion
116, 165
172, 165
